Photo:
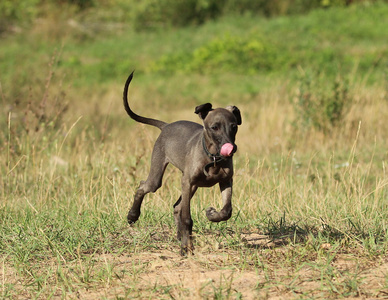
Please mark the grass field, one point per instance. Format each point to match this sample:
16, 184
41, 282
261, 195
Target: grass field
310, 188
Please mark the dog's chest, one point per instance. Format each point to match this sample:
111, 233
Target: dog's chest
216, 175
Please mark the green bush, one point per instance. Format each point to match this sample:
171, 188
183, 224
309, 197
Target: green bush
162, 13
230, 53
23, 12
82, 4
16, 12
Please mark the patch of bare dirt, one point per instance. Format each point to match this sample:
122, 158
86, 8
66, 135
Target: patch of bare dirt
262, 269
164, 274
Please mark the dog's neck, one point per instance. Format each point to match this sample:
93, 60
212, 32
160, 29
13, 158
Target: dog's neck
206, 149
216, 158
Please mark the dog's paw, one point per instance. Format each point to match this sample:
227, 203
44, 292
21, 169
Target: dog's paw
186, 251
211, 213
130, 222
132, 219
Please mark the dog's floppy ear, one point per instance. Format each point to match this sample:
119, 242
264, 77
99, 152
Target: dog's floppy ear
203, 109
234, 110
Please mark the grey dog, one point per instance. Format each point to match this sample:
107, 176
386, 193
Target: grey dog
202, 153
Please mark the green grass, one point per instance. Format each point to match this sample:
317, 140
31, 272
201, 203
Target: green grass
316, 194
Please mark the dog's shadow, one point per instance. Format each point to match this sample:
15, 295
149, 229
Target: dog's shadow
283, 235
264, 241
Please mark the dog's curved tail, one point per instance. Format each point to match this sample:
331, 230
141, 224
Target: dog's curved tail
136, 117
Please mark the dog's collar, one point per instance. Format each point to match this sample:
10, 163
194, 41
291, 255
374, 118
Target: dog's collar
216, 158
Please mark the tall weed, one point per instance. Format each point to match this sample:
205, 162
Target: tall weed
35, 116
320, 105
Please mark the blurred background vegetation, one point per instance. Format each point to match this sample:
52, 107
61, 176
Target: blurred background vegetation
62, 58
319, 52
154, 14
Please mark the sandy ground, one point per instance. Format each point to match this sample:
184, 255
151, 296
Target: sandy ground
226, 274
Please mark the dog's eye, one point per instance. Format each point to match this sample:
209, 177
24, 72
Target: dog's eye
214, 127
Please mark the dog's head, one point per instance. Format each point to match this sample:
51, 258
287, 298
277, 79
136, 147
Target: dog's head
220, 126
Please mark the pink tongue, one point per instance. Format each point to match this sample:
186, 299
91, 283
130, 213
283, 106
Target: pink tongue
226, 149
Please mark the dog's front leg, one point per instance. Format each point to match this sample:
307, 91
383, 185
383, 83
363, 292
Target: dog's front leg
183, 219
226, 212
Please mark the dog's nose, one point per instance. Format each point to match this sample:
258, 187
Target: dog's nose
227, 149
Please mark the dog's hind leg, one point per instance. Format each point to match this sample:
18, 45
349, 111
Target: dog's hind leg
153, 182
